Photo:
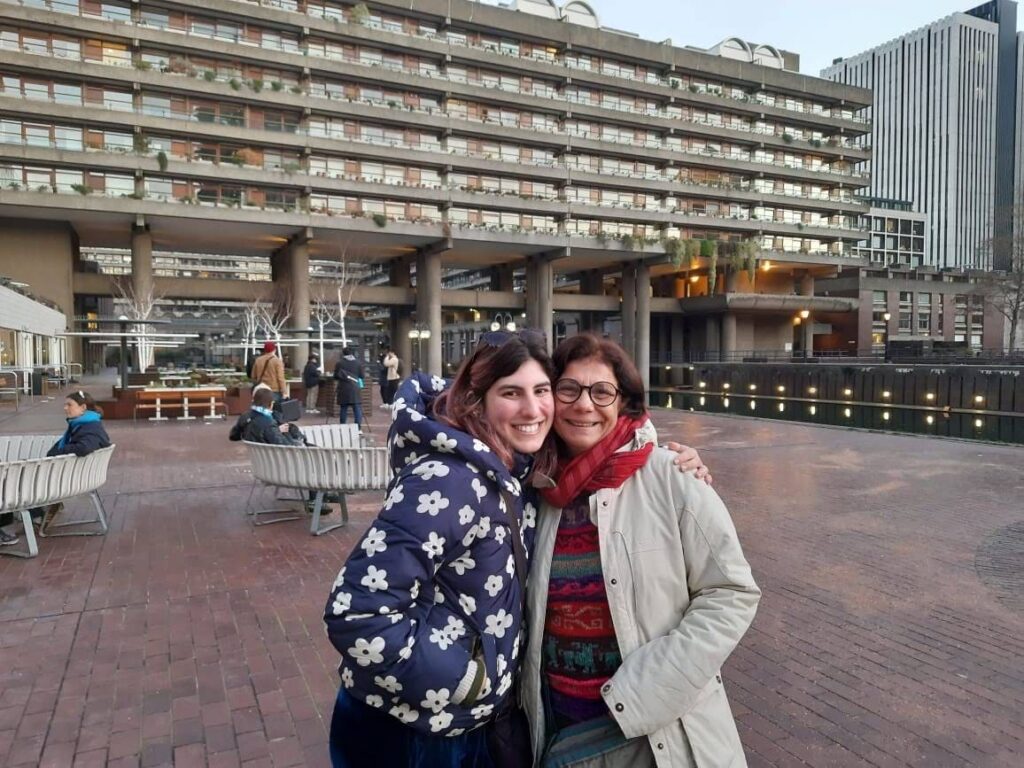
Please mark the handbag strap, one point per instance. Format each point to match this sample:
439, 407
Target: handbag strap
518, 550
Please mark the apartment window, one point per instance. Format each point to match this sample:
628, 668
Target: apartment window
67, 138
924, 313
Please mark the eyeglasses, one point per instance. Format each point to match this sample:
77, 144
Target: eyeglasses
602, 393
501, 338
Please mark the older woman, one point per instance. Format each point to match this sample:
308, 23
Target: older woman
639, 590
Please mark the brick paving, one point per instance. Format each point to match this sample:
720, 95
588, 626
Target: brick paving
891, 631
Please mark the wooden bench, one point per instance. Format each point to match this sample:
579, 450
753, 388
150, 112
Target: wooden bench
29, 478
338, 462
183, 400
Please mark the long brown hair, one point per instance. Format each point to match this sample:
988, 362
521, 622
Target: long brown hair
462, 404
589, 346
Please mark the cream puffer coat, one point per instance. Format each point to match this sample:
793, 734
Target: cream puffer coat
681, 596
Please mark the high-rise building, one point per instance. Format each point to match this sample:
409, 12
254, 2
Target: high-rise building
943, 128
417, 138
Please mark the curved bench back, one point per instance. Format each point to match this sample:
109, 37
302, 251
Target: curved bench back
21, 447
45, 480
333, 435
314, 468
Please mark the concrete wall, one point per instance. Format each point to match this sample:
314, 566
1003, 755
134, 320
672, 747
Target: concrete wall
41, 255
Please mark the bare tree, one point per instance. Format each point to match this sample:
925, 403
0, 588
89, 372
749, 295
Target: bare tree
140, 306
1005, 290
347, 283
323, 312
250, 328
275, 315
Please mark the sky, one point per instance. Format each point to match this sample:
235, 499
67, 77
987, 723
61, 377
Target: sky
818, 30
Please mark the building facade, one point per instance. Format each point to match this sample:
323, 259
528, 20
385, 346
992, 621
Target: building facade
574, 163
943, 134
29, 331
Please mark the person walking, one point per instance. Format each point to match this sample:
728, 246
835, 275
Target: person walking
84, 434
391, 376
639, 589
348, 372
311, 382
268, 369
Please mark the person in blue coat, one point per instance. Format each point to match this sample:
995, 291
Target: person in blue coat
84, 434
426, 613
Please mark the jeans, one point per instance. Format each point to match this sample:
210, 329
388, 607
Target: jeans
357, 412
364, 737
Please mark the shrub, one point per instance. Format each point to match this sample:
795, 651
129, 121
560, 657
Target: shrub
209, 75
234, 83
82, 189
161, 160
256, 84
379, 218
359, 14
277, 85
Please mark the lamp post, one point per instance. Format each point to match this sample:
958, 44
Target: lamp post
418, 334
503, 320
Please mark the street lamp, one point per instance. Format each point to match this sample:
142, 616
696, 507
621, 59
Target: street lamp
418, 334
503, 320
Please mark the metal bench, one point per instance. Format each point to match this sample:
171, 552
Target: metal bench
29, 478
338, 462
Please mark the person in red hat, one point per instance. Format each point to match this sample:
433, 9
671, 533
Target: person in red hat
268, 370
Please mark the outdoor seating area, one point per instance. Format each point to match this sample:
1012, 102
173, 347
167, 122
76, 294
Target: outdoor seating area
185, 404
339, 462
30, 479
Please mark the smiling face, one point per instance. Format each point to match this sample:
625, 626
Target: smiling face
582, 425
519, 407
73, 410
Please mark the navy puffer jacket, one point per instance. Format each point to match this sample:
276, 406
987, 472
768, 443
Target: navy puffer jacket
432, 583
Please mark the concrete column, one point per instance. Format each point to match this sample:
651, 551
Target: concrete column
677, 346
428, 309
642, 352
806, 288
806, 284
142, 261
298, 281
401, 320
590, 285
712, 338
540, 312
628, 308
502, 278
728, 335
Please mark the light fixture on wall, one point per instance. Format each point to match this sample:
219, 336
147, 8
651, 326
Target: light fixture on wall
503, 321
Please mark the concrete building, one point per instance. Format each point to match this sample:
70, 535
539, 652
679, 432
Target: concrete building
943, 128
904, 304
572, 163
897, 236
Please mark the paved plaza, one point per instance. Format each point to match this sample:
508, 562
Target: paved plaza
891, 631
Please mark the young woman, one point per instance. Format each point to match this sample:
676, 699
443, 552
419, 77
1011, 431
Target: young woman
426, 613
84, 434
639, 590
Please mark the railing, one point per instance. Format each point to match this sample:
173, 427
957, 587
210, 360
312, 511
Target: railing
871, 356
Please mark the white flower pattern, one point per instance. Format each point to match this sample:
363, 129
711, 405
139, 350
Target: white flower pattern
396, 589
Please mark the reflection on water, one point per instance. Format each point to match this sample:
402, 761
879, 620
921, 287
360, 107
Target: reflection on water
894, 418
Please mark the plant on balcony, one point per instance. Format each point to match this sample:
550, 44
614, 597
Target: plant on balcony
296, 89
140, 143
692, 88
712, 272
13, 185
674, 249
691, 248
161, 160
833, 141
177, 65
256, 84
277, 85
379, 218
788, 138
82, 189
750, 248
246, 156
235, 84
290, 167
627, 241
209, 75
816, 143
43, 188
143, 66
359, 14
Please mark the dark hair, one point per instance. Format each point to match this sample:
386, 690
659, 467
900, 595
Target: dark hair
84, 398
589, 346
462, 404
263, 397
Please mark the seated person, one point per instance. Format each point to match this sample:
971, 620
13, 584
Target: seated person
261, 424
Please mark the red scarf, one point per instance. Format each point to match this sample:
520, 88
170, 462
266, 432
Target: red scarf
601, 466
